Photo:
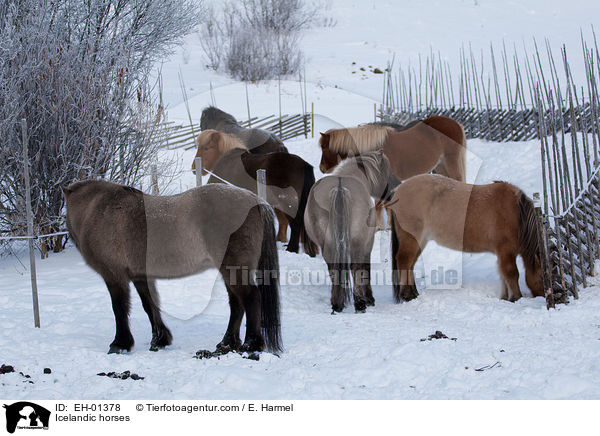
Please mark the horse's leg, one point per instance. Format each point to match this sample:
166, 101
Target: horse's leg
504, 294
231, 340
254, 340
409, 250
452, 166
380, 224
121, 304
294, 244
337, 294
361, 273
161, 335
310, 247
510, 274
283, 225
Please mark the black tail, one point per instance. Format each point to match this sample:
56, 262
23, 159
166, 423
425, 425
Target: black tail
268, 287
339, 222
529, 247
310, 247
395, 272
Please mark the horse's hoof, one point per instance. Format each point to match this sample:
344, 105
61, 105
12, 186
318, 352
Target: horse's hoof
114, 349
251, 356
336, 309
360, 307
252, 345
224, 349
409, 292
161, 340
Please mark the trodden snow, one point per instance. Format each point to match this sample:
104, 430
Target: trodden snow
502, 350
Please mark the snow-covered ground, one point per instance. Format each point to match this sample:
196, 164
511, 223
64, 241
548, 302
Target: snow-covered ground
502, 350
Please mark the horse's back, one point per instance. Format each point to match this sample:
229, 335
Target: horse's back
457, 215
449, 127
318, 209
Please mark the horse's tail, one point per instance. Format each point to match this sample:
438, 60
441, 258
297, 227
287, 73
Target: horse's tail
395, 272
268, 287
310, 247
339, 222
529, 246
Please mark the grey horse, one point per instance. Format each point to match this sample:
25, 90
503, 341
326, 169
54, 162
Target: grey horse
128, 236
340, 217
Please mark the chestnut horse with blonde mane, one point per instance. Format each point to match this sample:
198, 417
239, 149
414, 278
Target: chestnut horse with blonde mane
289, 179
434, 144
497, 218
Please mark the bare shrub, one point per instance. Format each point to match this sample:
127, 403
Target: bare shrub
78, 72
257, 39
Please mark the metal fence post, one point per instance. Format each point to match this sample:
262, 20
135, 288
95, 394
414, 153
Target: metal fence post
154, 175
261, 183
34, 291
198, 165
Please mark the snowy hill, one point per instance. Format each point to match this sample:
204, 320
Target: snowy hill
502, 350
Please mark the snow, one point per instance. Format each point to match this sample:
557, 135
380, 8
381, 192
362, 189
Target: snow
502, 350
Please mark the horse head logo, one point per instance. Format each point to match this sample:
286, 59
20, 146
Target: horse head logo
26, 415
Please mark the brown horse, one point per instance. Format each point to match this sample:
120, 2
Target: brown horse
288, 177
211, 144
127, 236
434, 144
497, 218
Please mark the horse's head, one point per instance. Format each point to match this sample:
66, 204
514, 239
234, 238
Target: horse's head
329, 158
209, 149
212, 117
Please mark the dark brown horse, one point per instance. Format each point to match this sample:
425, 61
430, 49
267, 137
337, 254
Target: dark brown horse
258, 141
127, 236
288, 177
497, 218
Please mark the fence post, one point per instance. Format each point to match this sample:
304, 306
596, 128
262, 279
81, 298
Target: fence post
198, 165
154, 176
261, 184
312, 119
248, 106
34, 291
544, 261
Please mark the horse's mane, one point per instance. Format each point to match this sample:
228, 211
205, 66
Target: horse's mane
357, 140
370, 164
227, 141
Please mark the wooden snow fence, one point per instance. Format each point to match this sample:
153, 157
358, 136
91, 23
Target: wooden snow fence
285, 127
533, 102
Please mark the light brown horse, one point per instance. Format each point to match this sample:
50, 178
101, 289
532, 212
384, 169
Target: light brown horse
497, 218
211, 145
435, 144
